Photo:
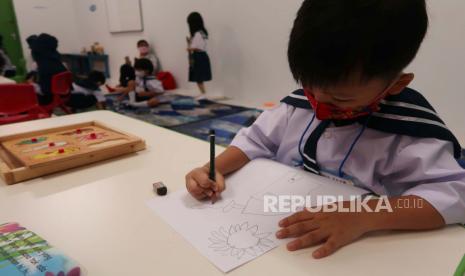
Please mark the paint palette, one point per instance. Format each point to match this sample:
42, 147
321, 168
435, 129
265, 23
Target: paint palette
28, 155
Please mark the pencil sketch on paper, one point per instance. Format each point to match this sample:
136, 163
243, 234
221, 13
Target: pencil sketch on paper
254, 205
240, 240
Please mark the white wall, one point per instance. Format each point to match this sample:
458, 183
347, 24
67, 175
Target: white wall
440, 65
248, 45
55, 17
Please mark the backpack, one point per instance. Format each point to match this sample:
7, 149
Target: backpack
167, 80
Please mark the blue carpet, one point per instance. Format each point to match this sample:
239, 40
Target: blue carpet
191, 117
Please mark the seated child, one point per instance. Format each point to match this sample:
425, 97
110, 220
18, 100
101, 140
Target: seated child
86, 93
127, 77
355, 120
147, 88
145, 52
31, 78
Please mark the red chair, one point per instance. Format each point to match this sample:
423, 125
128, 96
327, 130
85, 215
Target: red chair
18, 103
61, 90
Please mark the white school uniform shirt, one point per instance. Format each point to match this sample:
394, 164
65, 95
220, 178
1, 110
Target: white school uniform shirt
151, 85
384, 163
199, 41
77, 89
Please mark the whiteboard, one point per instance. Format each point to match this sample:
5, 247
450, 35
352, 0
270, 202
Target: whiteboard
124, 15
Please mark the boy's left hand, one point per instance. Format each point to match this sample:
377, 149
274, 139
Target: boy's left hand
333, 229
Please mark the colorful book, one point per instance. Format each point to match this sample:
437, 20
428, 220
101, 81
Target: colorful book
24, 253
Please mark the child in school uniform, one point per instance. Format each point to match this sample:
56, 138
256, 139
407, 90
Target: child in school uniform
146, 52
199, 61
86, 93
127, 77
148, 90
355, 120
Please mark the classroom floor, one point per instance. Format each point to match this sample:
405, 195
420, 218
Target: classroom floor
191, 117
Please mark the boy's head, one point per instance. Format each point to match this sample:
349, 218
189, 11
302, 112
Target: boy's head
143, 67
97, 78
142, 43
143, 47
350, 53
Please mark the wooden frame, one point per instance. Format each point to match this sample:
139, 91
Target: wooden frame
14, 169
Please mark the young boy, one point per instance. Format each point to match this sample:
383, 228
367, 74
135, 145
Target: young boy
86, 93
355, 120
147, 87
145, 52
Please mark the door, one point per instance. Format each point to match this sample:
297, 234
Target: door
11, 38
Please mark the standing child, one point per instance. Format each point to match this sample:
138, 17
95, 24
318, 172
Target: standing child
199, 62
357, 122
147, 88
86, 93
146, 52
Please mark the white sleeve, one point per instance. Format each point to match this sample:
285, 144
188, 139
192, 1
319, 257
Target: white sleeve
198, 42
155, 86
427, 168
99, 95
263, 138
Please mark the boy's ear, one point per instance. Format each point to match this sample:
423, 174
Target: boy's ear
403, 81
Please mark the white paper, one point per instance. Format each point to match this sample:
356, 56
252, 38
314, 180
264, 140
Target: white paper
236, 230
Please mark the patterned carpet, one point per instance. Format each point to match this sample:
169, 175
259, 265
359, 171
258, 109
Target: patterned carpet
192, 117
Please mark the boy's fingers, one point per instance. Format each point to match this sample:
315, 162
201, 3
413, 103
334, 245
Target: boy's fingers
297, 229
219, 184
295, 218
307, 240
193, 187
204, 181
327, 249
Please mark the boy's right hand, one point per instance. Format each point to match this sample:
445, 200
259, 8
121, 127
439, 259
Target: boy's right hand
202, 187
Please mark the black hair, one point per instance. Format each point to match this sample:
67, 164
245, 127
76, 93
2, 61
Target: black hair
333, 39
144, 64
1, 42
142, 41
196, 24
96, 77
126, 74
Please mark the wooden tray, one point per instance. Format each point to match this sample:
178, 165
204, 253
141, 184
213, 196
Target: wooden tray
34, 154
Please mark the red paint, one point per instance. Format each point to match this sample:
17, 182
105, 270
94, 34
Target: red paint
93, 136
51, 144
78, 131
61, 151
34, 140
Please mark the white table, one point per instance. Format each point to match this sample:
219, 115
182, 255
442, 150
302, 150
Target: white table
97, 215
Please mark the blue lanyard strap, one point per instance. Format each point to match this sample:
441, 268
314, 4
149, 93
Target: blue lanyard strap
352, 146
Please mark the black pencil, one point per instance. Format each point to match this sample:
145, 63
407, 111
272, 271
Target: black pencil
212, 155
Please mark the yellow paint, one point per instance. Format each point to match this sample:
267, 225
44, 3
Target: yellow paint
55, 153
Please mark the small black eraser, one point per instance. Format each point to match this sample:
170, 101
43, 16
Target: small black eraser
160, 188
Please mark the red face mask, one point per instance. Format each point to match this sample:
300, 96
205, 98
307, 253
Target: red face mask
325, 111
